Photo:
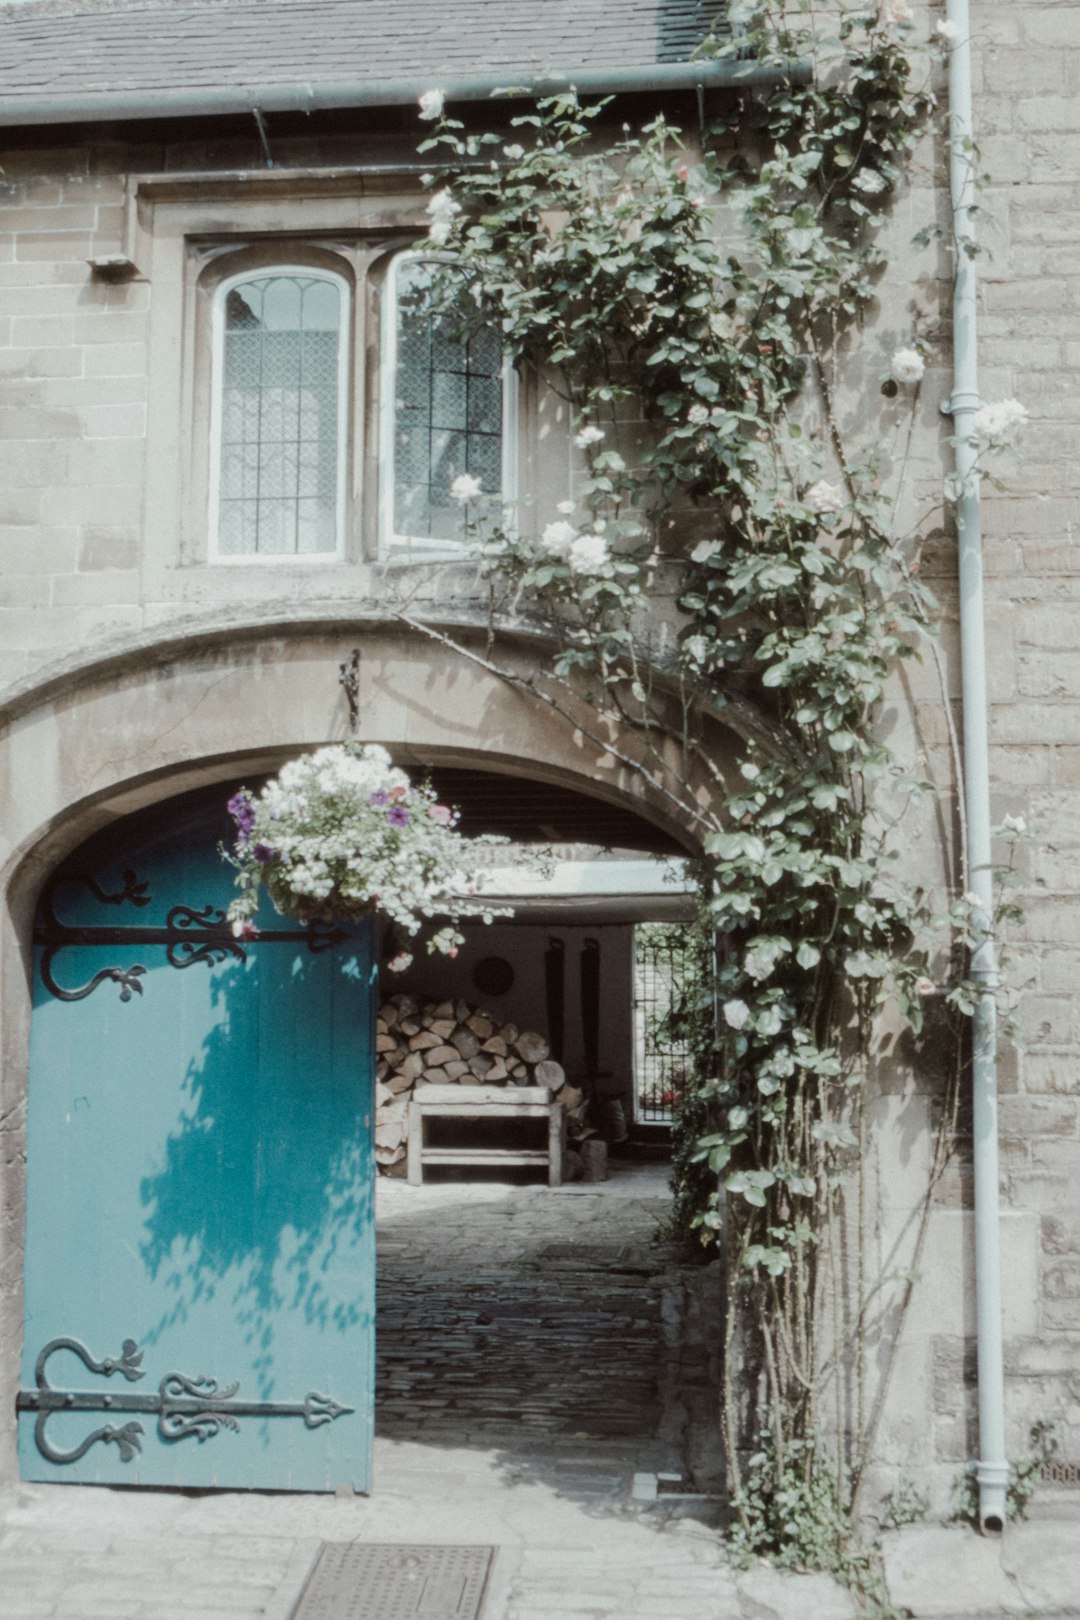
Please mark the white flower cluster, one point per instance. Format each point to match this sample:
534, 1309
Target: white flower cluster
907, 366
824, 497
465, 488
343, 832
443, 210
582, 553
1000, 423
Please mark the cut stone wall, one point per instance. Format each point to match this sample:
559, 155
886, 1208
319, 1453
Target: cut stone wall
96, 432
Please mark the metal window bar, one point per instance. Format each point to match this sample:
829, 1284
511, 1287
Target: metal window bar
662, 1065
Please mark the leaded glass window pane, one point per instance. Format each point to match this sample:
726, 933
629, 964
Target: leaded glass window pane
448, 411
280, 430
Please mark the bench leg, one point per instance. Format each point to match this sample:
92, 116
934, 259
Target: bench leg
415, 1158
556, 1144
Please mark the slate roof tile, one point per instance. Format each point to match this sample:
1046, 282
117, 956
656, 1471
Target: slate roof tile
87, 47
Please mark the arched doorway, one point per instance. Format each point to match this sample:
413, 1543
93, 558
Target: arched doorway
101, 742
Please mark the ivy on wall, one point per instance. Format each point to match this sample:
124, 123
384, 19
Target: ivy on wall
692, 312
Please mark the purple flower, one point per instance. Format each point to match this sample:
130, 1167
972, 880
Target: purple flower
397, 816
263, 853
380, 796
242, 811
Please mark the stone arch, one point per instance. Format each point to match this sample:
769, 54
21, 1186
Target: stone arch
95, 741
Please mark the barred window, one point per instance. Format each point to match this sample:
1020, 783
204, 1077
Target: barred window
446, 408
278, 438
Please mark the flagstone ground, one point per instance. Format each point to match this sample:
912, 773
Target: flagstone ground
536, 1349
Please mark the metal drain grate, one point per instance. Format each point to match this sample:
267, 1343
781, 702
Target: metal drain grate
1056, 1471
351, 1582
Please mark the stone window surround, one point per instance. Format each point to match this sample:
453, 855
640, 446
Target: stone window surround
187, 232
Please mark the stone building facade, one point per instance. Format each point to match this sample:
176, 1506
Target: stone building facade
137, 664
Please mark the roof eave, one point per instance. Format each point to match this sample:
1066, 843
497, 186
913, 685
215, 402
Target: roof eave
220, 101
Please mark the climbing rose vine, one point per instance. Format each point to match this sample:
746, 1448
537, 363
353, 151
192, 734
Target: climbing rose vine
730, 551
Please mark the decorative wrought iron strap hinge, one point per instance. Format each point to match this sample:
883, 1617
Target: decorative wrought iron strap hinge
184, 1406
190, 934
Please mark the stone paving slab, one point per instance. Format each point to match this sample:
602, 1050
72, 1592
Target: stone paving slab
940, 1572
551, 1497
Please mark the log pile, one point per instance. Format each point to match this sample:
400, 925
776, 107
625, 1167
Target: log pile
421, 1043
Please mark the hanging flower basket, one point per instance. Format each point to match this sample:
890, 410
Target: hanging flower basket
342, 833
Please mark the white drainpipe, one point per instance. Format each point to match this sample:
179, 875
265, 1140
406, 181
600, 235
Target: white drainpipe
992, 1469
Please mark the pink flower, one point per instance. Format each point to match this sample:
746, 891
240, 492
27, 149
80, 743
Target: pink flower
441, 813
924, 986
398, 963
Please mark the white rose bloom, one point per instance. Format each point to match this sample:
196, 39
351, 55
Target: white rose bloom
769, 1022
824, 497
431, 105
907, 366
999, 424
893, 12
696, 649
588, 435
704, 550
588, 554
698, 414
566, 508
735, 1014
465, 488
1015, 824
514, 153
443, 210
870, 181
557, 538
749, 770
947, 31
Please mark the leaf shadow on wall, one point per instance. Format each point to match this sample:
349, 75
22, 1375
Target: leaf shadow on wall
265, 1194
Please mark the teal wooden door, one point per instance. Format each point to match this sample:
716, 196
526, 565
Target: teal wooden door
200, 1237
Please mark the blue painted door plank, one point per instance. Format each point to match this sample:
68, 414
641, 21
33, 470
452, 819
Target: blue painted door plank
200, 1180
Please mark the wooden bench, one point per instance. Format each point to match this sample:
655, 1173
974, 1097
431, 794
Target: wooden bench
485, 1102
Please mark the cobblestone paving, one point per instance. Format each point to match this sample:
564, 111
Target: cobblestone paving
535, 1348
552, 1325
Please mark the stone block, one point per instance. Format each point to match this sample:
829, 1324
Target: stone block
1056, 1153
1061, 1232
104, 548
1062, 1280
58, 246
42, 331
1038, 1116
1054, 1073
1062, 1313
1046, 1020
116, 360
114, 421
933, 1571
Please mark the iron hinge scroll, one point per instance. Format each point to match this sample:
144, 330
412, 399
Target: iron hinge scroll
185, 1407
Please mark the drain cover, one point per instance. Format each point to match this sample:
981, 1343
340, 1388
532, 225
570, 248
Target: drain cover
353, 1582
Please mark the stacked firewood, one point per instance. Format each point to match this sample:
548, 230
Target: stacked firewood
420, 1043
